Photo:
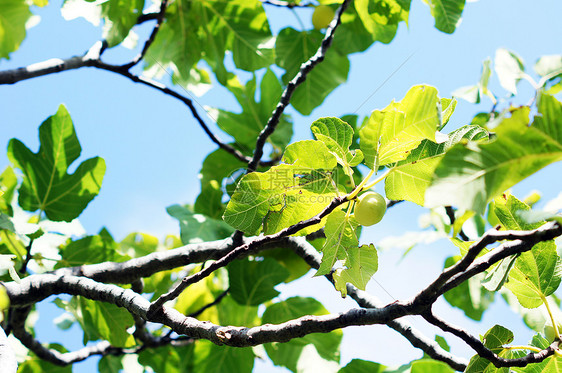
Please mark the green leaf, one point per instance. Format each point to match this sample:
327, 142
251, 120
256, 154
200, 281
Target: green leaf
391, 134
469, 296
337, 135
47, 186
448, 106
90, 250
138, 244
341, 236
6, 223
252, 282
309, 154
447, 14
292, 48
196, 30
285, 194
11, 244
120, 16
210, 358
13, 16
430, 366
470, 175
287, 354
100, 320
411, 177
361, 264
536, 274
381, 18
362, 366
494, 339
509, 68
199, 295
294, 263
8, 183
168, 359
216, 167
110, 364
245, 126
233, 313
353, 37
197, 227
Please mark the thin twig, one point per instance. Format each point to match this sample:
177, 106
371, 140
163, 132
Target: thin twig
305, 68
172, 294
150, 40
483, 351
450, 211
287, 4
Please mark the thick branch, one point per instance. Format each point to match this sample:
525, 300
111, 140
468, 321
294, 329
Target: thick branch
49, 284
102, 348
305, 68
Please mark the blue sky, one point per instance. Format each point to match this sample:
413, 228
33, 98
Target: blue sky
153, 148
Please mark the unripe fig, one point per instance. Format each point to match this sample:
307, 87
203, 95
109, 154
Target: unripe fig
322, 16
370, 209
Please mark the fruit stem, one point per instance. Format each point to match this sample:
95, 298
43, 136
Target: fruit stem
359, 187
554, 323
530, 348
378, 180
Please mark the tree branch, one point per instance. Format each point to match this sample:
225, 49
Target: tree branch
468, 267
150, 40
366, 300
483, 351
286, 4
244, 249
305, 68
42, 286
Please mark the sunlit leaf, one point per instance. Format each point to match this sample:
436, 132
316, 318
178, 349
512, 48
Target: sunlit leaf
509, 68
285, 194
391, 134
8, 183
47, 186
360, 265
120, 16
411, 177
362, 366
470, 175
337, 135
13, 16
341, 235
447, 14
494, 339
